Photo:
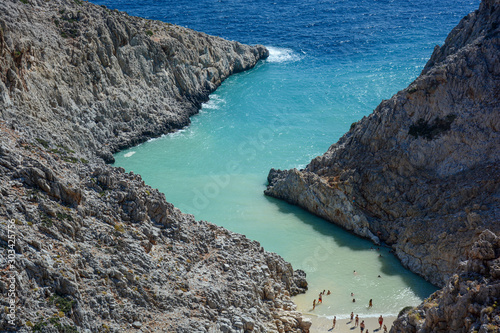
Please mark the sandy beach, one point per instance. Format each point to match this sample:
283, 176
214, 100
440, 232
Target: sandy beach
321, 324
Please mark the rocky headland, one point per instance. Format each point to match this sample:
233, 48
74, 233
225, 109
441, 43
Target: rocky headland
97, 250
97, 80
422, 172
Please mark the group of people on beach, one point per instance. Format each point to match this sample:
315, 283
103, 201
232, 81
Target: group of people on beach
362, 326
320, 298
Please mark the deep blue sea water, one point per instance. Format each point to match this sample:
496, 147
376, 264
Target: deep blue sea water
332, 62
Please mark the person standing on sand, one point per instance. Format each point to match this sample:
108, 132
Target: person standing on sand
362, 326
357, 321
352, 315
385, 329
314, 304
334, 322
380, 321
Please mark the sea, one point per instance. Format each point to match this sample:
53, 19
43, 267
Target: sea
331, 63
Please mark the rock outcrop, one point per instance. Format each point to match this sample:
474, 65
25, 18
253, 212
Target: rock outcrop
422, 172
470, 300
98, 80
97, 250
87, 247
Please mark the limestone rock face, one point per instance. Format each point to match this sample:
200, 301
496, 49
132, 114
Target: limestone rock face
469, 300
421, 172
98, 80
95, 249
98, 250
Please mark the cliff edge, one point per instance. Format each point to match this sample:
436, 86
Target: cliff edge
421, 172
85, 247
97, 80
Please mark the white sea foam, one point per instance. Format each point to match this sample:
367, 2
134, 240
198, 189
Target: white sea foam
215, 102
154, 139
363, 315
279, 54
129, 154
168, 135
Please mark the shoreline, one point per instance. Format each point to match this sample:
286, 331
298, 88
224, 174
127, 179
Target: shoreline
324, 324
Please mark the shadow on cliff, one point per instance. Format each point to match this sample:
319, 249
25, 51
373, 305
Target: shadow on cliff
390, 265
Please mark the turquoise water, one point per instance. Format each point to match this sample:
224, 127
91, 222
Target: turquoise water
216, 169
331, 63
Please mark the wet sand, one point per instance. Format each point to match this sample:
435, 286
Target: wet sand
321, 324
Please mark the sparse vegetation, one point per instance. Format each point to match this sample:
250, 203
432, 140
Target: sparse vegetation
119, 228
43, 142
70, 159
430, 130
66, 149
405, 310
38, 327
46, 220
414, 316
62, 303
64, 216
492, 328
149, 33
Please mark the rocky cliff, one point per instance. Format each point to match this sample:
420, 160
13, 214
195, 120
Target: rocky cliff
469, 300
422, 172
87, 247
97, 79
97, 250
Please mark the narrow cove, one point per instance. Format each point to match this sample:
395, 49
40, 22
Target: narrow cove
216, 169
